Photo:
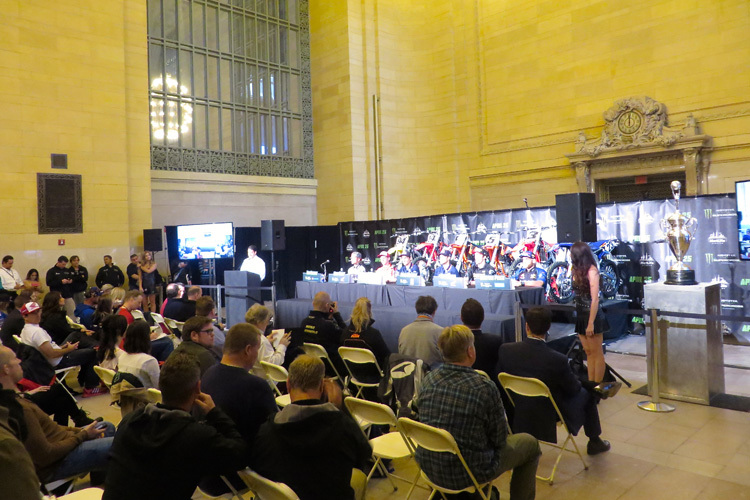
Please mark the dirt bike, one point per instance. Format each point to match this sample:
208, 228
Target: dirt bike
560, 276
499, 254
533, 243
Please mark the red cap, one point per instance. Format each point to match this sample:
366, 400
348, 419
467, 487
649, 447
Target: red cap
29, 307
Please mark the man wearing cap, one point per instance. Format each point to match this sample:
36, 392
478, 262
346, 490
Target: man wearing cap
11, 280
387, 271
529, 273
480, 266
109, 274
85, 310
406, 265
59, 356
356, 267
444, 264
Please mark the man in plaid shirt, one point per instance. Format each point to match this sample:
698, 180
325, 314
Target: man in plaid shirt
458, 399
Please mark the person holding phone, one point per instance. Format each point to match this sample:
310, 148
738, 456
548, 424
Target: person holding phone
324, 326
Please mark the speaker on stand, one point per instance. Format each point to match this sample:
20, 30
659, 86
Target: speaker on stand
272, 237
576, 217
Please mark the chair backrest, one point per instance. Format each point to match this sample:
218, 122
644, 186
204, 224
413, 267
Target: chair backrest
153, 395
373, 413
482, 373
159, 320
266, 489
428, 437
105, 374
19, 340
316, 350
533, 388
274, 372
86, 494
358, 355
137, 314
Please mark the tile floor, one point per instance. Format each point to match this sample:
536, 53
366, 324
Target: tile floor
696, 452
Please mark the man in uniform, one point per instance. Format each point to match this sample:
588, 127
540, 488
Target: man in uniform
529, 273
324, 326
109, 274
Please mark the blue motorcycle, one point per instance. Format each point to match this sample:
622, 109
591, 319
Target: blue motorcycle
559, 274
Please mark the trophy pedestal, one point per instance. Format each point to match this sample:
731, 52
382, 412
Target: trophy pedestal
680, 277
691, 357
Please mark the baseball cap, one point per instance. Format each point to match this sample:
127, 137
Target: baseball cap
94, 291
526, 253
383, 254
29, 307
446, 252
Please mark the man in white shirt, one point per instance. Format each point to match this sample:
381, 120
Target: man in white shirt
59, 356
356, 267
253, 263
11, 279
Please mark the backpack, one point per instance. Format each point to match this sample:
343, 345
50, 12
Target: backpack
400, 385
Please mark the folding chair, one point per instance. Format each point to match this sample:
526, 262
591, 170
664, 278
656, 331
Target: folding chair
387, 446
361, 361
277, 374
161, 322
60, 374
535, 388
86, 494
105, 375
153, 395
138, 314
319, 351
482, 373
74, 324
441, 441
265, 488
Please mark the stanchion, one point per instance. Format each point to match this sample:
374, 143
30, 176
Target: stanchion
517, 312
655, 405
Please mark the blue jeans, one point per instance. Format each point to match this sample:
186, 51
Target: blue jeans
162, 348
86, 457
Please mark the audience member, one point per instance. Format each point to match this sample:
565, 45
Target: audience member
113, 329
60, 279
60, 356
162, 451
17, 474
14, 323
324, 326
118, 297
253, 263
80, 277
55, 323
58, 452
136, 358
360, 332
247, 399
32, 282
197, 340
260, 316
486, 344
132, 271
174, 291
183, 308
11, 280
419, 339
103, 309
181, 272
85, 310
130, 303
205, 306
311, 445
456, 398
147, 281
534, 358
109, 274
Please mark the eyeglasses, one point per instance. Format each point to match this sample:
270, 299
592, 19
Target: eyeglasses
209, 332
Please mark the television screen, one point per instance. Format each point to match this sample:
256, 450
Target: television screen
205, 241
743, 217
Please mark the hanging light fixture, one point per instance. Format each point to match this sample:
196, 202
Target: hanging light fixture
165, 119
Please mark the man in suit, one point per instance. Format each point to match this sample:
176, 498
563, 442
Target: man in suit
533, 358
486, 344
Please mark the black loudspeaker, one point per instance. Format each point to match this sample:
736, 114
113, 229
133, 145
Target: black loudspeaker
272, 236
152, 240
576, 217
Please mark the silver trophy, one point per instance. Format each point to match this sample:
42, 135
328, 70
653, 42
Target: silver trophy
679, 231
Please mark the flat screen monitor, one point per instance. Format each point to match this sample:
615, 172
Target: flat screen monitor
743, 217
205, 241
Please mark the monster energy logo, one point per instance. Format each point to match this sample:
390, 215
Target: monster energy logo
709, 258
708, 212
746, 328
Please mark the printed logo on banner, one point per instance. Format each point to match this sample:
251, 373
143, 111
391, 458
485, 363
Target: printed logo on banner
380, 231
721, 257
363, 246
398, 230
731, 304
719, 212
500, 225
716, 238
379, 245
417, 231
645, 219
460, 228
349, 248
721, 281
366, 234
745, 282
647, 260
670, 259
350, 233
481, 228
366, 261
616, 219
709, 258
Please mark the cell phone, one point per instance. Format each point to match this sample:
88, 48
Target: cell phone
99, 419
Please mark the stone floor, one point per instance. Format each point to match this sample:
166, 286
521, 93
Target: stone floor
696, 452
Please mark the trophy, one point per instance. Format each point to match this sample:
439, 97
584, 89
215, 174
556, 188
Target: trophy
679, 231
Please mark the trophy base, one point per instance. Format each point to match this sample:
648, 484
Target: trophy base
680, 277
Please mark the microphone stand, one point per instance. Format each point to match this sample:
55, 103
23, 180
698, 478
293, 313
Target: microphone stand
325, 272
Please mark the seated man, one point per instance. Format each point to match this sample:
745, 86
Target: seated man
311, 445
205, 306
458, 399
486, 344
60, 356
529, 273
444, 264
162, 451
85, 310
405, 264
130, 303
248, 400
480, 267
533, 358
17, 474
419, 339
58, 452
183, 309
197, 340
174, 291
324, 326
356, 268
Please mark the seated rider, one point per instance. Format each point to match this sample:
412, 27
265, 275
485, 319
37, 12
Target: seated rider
444, 264
529, 273
405, 264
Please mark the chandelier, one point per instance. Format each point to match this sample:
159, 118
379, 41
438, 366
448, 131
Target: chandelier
165, 119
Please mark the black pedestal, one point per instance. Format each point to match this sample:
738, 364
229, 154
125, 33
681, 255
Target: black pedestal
681, 277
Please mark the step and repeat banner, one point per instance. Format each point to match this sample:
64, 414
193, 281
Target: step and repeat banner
642, 256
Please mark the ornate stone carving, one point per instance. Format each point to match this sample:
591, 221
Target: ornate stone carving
634, 122
583, 176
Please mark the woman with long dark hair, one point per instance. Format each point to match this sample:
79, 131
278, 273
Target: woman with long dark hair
113, 328
590, 321
103, 309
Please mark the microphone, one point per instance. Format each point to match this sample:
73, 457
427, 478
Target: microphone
526, 202
324, 263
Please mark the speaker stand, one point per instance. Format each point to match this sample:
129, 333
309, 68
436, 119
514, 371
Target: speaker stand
274, 268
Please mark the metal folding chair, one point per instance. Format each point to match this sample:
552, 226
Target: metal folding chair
358, 360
